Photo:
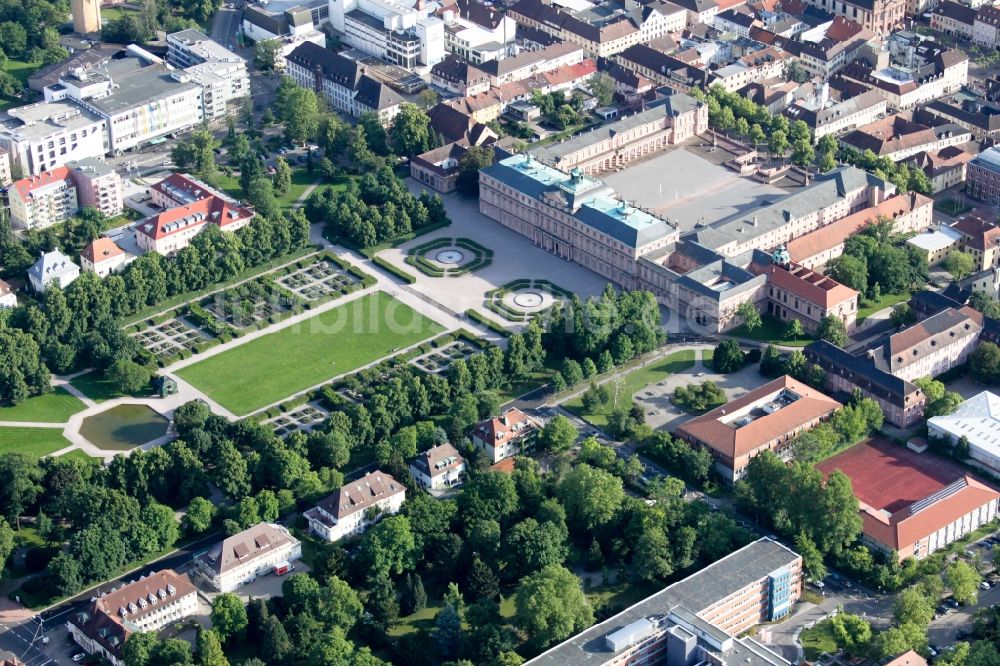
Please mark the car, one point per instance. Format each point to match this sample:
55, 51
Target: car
699, 374
941, 610
962, 635
969, 553
818, 584
932, 651
950, 601
984, 585
79, 656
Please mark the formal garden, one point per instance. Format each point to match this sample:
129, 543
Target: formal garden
259, 301
440, 360
521, 300
449, 257
302, 417
169, 338
320, 279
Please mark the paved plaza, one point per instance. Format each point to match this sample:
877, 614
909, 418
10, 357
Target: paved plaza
689, 189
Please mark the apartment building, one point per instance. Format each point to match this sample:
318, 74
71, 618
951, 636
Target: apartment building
634, 137
898, 137
5, 172
767, 63
986, 28
289, 21
477, 32
405, 34
239, 559
221, 73
825, 119
946, 71
825, 49
527, 64
438, 468
698, 620
983, 176
980, 238
43, 200
765, 419
343, 82
505, 436
932, 346
356, 507
46, 135
145, 605
103, 256
944, 168
954, 18
459, 76
930, 503
98, 185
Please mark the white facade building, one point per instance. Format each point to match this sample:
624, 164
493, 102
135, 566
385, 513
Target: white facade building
8, 299
52, 268
221, 73
42, 136
405, 33
438, 468
242, 557
978, 421
40, 201
356, 506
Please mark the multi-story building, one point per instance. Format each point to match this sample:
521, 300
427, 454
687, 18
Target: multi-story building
343, 82
180, 189
977, 420
148, 604
98, 185
796, 292
43, 200
930, 347
701, 619
947, 72
172, 230
8, 298
6, 177
42, 136
953, 18
936, 244
289, 21
762, 65
635, 137
981, 239
477, 32
879, 16
824, 118
506, 435
86, 16
221, 73
945, 168
986, 28
405, 34
52, 269
527, 64
459, 77
356, 507
822, 51
983, 176
103, 256
912, 504
438, 468
239, 559
898, 137
765, 419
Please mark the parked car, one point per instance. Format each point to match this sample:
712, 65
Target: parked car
984, 585
79, 656
950, 601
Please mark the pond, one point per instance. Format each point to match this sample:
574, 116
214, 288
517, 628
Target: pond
124, 427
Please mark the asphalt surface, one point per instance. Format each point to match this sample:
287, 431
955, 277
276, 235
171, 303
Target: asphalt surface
226, 26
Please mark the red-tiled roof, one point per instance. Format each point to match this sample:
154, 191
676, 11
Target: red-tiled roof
509, 425
26, 185
570, 73
809, 285
979, 232
101, 249
211, 209
910, 658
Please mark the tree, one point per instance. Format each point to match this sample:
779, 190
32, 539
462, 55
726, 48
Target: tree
595, 397
19, 485
275, 645
777, 143
469, 164
851, 632
389, 547
903, 315
410, 133
139, 647
602, 86
558, 434
803, 154
985, 363
591, 496
728, 357
282, 179
812, 559
448, 630
771, 363
827, 162
550, 605
756, 135
849, 270
531, 546
963, 580
128, 376
208, 650
299, 108
428, 98
265, 54
229, 616
959, 264
199, 516
913, 606
832, 329
750, 315
794, 330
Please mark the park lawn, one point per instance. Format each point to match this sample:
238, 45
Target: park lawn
54, 407
335, 342
20, 70
33, 441
115, 13
818, 639
886, 301
81, 455
771, 330
94, 385
422, 619
633, 382
301, 180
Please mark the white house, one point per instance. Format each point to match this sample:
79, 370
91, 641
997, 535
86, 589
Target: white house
52, 268
8, 299
104, 257
356, 506
438, 468
242, 557
506, 435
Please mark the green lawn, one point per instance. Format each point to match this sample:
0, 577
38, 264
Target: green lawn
886, 301
114, 13
54, 407
422, 619
77, 453
335, 342
20, 70
33, 441
951, 207
771, 330
97, 388
817, 640
301, 180
633, 382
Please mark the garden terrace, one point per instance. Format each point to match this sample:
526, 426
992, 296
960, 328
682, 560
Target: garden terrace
521, 300
449, 257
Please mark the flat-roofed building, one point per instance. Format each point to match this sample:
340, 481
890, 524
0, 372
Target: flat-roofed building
145, 605
356, 507
983, 176
698, 619
765, 419
242, 557
505, 436
221, 73
912, 504
936, 243
45, 135
977, 420
40, 201
98, 185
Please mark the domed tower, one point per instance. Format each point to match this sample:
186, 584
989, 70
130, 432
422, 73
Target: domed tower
781, 257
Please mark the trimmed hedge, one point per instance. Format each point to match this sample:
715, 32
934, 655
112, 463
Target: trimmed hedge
487, 322
398, 272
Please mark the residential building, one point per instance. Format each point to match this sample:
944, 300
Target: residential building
986, 28
148, 604
104, 257
827, 48
912, 504
737, 21
634, 137
767, 63
766, 419
343, 82
879, 16
945, 168
180, 189
983, 176
824, 118
52, 268
438, 468
505, 436
8, 299
981, 239
953, 18
699, 11
796, 292
438, 167
43, 200
527, 64
172, 230
946, 72
979, 116
703, 618
901, 401
402, 32
46, 135
5, 173
910, 658
239, 559
663, 69
356, 507
221, 73
977, 420
459, 77
935, 244
86, 16
98, 185
477, 32
898, 137
482, 108
932, 346
910, 212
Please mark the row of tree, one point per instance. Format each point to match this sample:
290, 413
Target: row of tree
877, 261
